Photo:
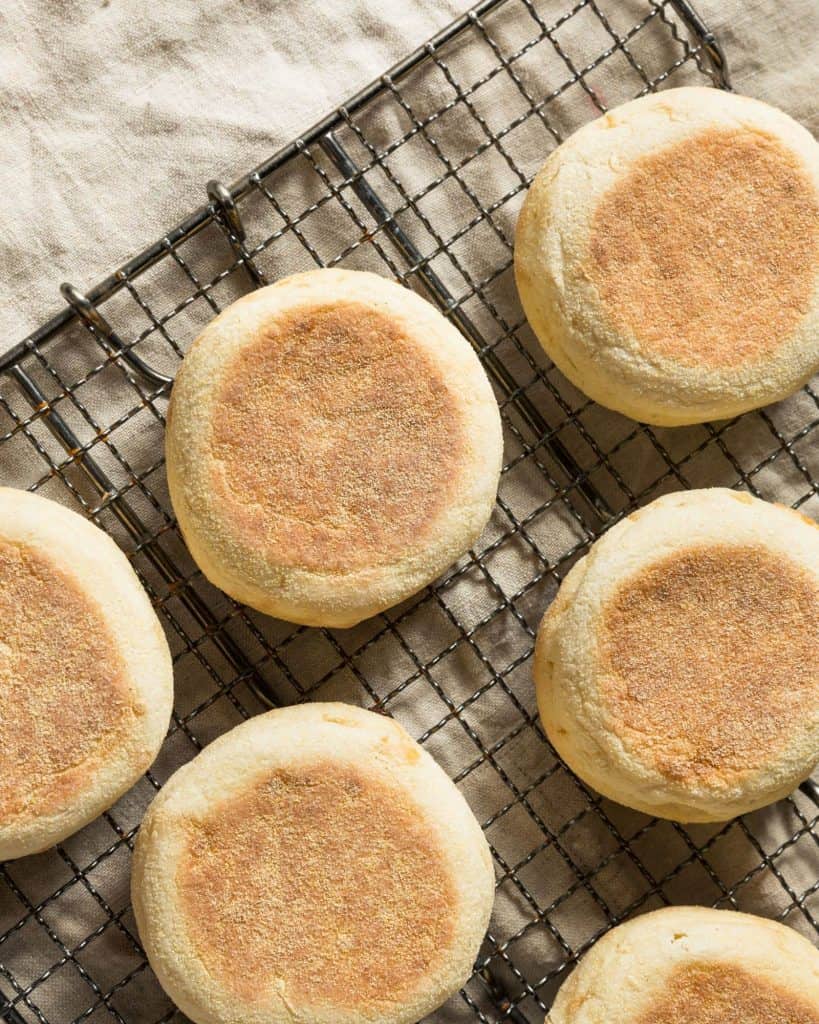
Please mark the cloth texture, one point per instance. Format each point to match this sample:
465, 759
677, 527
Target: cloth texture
115, 115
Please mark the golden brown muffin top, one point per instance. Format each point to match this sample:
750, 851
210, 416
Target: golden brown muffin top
336, 439
322, 879
710, 661
65, 699
715, 993
707, 249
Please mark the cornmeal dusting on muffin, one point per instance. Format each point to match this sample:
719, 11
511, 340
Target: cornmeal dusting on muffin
65, 700
322, 878
715, 993
710, 660
706, 251
336, 438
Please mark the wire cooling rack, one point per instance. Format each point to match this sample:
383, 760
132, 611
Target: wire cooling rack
419, 177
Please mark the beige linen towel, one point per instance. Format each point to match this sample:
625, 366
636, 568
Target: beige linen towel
115, 113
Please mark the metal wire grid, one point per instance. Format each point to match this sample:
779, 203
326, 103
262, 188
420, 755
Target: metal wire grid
419, 177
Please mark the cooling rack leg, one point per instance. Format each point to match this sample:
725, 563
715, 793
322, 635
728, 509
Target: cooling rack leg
710, 44
446, 301
227, 216
108, 338
136, 528
9, 1014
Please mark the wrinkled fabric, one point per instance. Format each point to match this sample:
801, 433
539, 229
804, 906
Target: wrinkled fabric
115, 113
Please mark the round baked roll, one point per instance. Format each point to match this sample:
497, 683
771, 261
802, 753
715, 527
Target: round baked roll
667, 256
333, 445
677, 669
86, 684
693, 965
313, 864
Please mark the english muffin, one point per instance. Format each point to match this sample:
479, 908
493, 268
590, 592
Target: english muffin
667, 256
86, 684
333, 445
693, 965
676, 671
313, 864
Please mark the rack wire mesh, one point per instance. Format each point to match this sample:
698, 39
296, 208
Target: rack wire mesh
419, 177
